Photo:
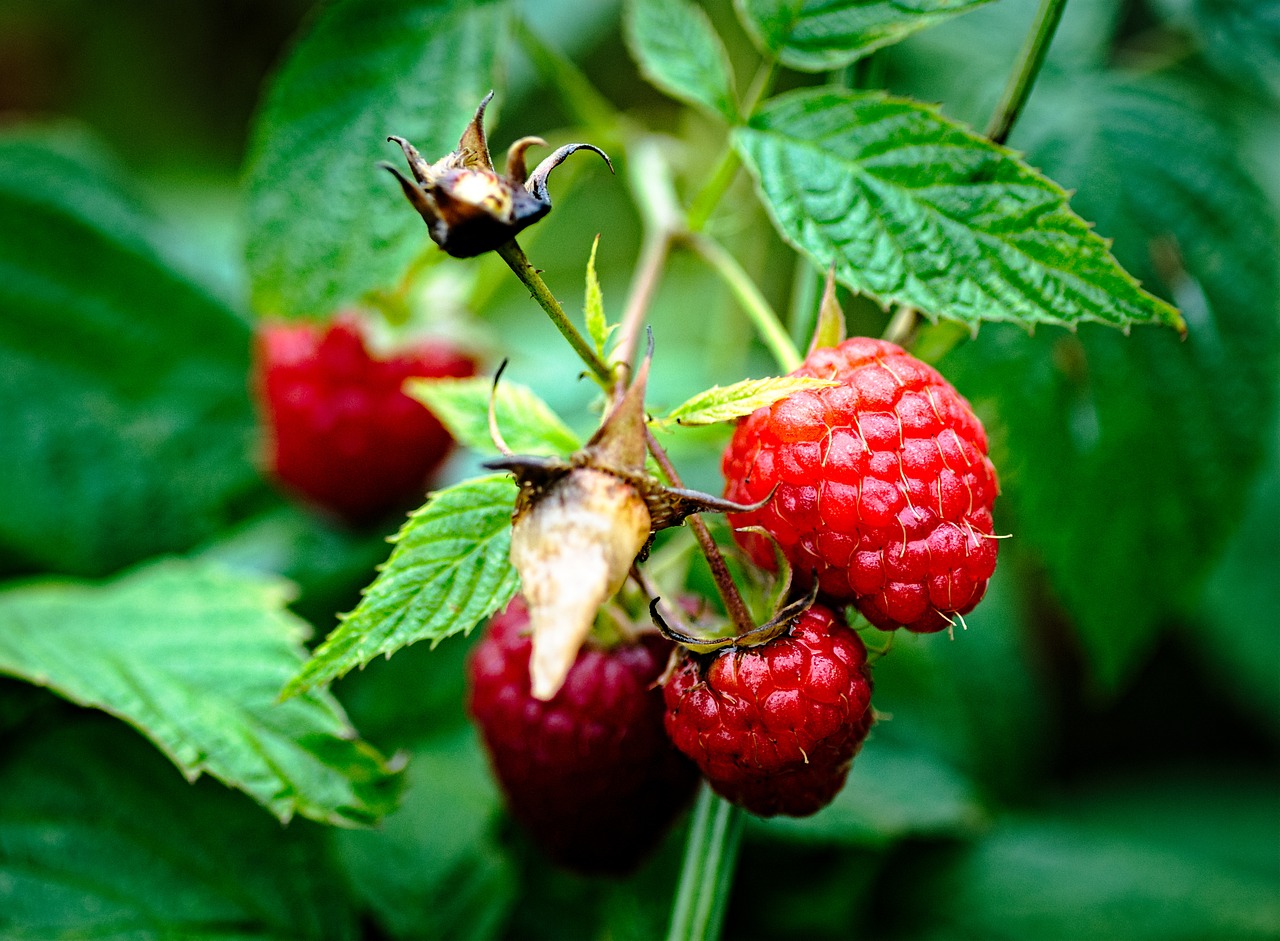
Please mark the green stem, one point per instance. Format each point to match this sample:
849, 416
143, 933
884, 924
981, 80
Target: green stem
753, 302
515, 258
709, 196
726, 171
706, 877
1023, 77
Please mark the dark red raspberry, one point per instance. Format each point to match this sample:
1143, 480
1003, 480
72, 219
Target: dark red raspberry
884, 488
591, 773
775, 727
340, 432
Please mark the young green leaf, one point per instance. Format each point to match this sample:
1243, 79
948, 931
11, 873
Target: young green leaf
742, 398
193, 656
526, 423
914, 209
679, 52
820, 35
103, 840
598, 327
124, 414
829, 329
450, 569
325, 225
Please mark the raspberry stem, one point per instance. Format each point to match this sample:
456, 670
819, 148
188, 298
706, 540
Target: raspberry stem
729, 594
515, 258
706, 876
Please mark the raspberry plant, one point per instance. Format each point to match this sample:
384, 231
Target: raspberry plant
843, 328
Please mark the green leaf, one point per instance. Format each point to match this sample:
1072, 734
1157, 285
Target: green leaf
123, 401
679, 51
742, 398
1235, 627
450, 569
526, 423
1126, 545
914, 209
1063, 876
325, 224
598, 327
435, 868
892, 793
102, 840
1239, 38
194, 656
820, 35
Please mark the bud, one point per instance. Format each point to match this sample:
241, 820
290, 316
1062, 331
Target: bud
573, 546
469, 208
580, 522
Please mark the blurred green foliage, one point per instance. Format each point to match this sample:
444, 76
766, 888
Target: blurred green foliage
1096, 756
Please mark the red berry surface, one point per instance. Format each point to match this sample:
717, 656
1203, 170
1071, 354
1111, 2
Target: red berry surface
340, 432
591, 774
884, 487
774, 728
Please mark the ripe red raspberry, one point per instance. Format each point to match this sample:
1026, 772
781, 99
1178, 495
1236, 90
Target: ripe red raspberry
775, 727
340, 432
884, 488
591, 773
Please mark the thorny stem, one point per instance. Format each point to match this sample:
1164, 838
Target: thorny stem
729, 594
1023, 77
753, 302
706, 875
644, 285
515, 258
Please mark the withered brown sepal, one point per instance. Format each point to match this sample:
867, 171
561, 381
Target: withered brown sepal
468, 206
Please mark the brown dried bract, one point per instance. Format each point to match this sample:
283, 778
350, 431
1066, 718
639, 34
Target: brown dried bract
468, 206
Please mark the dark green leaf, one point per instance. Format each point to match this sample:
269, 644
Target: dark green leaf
526, 423
450, 569
1126, 461
434, 868
678, 50
819, 35
1239, 38
100, 839
325, 224
1074, 875
914, 209
892, 792
194, 657
124, 409
1235, 628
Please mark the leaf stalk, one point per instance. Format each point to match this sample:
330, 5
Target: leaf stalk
1023, 77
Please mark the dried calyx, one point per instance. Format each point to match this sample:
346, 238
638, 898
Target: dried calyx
710, 642
579, 525
468, 206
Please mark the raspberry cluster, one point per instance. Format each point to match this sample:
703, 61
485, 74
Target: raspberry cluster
591, 773
340, 432
774, 728
883, 486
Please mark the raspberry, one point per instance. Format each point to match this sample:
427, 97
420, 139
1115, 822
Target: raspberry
884, 488
775, 727
340, 431
591, 773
